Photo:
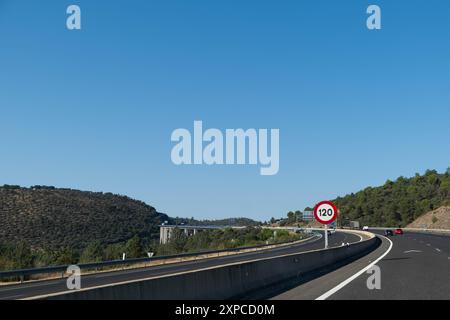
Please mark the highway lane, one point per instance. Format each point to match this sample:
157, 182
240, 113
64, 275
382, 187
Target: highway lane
33, 289
414, 266
417, 268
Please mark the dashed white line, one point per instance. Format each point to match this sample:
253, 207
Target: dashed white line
410, 251
438, 250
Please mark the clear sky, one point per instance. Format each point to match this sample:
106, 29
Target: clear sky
94, 109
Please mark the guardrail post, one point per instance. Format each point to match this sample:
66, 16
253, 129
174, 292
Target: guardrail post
21, 278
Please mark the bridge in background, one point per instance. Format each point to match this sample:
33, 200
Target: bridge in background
165, 231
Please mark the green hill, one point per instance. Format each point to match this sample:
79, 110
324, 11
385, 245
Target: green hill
396, 203
50, 218
41, 226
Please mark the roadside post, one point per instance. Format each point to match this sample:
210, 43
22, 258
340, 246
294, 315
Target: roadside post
325, 213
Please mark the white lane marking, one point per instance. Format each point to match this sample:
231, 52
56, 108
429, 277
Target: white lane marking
329, 293
428, 244
410, 251
438, 250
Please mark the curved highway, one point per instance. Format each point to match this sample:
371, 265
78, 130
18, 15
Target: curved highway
416, 268
36, 289
413, 266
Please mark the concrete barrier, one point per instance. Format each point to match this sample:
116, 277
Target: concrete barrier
223, 282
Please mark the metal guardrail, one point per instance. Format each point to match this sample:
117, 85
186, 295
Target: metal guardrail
88, 266
419, 230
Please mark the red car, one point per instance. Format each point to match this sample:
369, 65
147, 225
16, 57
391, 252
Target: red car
398, 231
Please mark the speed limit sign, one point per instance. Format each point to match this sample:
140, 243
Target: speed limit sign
325, 212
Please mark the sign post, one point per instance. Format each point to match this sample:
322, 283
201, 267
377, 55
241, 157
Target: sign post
325, 213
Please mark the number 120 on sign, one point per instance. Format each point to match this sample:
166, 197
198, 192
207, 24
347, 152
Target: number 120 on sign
325, 212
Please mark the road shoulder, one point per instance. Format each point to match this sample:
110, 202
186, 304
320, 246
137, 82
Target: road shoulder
315, 288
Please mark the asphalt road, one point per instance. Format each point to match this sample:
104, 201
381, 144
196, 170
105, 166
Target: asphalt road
414, 266
33, 289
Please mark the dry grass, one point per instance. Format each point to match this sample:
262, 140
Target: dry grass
436, 219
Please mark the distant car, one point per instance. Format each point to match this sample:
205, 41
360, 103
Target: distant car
365, 228
398, 231
388, 233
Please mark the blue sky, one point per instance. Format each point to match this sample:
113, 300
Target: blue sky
94, 109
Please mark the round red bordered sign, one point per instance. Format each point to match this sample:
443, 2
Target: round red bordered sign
325, 212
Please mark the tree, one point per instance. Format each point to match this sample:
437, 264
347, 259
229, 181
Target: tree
445, 187
22, 256
200, 241
66, 256
114, 251
92, 253
291, 217
133, 247
177, 240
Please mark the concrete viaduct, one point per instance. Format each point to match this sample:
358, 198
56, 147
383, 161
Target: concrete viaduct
165, 231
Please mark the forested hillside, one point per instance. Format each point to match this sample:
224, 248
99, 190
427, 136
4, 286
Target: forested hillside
397, 203
45, 217
41, 226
